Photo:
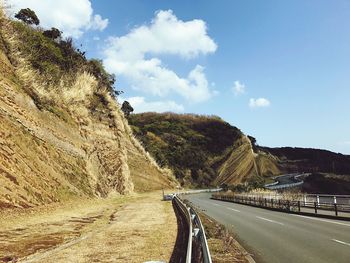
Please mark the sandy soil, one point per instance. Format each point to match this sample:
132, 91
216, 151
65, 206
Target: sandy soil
134, 228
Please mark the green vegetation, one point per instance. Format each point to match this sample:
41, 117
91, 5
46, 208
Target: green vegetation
252, 183
326, 184
126, 108
53, 33
190, 145
54, 57
28, 16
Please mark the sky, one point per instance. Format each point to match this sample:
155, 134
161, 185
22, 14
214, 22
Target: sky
278, 70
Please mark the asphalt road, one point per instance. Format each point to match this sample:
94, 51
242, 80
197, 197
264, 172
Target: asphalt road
286, 179
280, 237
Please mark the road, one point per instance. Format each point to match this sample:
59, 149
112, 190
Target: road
286, 181
277, 237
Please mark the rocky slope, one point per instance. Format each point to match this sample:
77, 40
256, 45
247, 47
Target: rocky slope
242, 164
63, 139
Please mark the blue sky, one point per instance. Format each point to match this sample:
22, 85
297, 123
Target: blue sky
278, 70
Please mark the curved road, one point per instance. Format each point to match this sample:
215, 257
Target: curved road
286, 181
276, 237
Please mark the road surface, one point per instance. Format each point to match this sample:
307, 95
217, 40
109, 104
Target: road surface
276, 237
286, 181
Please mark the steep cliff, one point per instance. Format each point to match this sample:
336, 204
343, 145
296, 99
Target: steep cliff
62, 137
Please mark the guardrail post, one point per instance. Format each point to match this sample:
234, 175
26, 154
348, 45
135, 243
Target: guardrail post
265, 202
299, 206
336, 209
288, 205
279, 203
315, 205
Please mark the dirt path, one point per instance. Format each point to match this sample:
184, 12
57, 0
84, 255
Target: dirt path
136, 228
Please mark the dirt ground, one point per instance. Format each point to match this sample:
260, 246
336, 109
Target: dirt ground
133, 228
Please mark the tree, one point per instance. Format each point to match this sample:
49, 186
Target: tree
28, 16
53, 33
224, 187
253, 142
126, 108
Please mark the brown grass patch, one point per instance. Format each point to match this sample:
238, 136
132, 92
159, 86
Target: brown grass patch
135, 228
222, 244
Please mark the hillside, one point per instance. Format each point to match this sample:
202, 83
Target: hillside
243, 164
201, 150
190, 145
62, 132
310, 160
205, 150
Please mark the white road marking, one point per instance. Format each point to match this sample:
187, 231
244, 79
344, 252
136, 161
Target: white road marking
269, 220
233, 209
341, 242
323, 220
224, 206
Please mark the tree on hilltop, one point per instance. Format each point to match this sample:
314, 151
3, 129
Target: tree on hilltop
53, 33
253, 142
126, 108
28, 16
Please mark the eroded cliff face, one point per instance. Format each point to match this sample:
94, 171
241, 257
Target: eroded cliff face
242, 163
76, 143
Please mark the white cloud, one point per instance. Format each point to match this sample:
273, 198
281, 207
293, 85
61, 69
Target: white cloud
97, 23
73, 17
141, 105
165, 35
259, 103
238, 88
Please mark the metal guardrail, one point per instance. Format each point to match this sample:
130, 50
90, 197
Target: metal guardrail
196, 230
200, 235
282, 186
201, 191
186, 213
285, 205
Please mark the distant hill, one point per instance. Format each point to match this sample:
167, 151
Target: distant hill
201, 150
206, 150
188, 144
310, 160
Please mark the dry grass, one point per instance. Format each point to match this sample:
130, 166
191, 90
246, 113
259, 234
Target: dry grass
53, 146
222, 244
292, 195
133, 228
164, 176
